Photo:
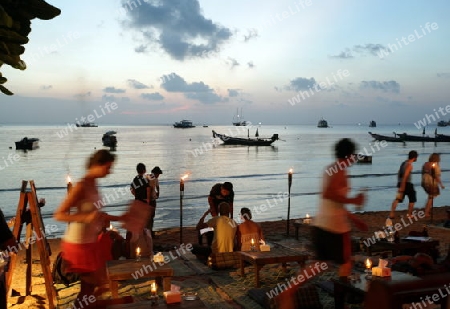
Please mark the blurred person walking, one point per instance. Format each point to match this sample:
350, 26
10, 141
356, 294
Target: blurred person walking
431, 180
80, 247
404, 185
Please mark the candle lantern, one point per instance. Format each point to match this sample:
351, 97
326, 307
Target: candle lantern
252, 245
289, 201
368, 270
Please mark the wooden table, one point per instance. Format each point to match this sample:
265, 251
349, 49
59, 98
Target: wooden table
188, 304
276, 255
360, 287
118, 270
405, 247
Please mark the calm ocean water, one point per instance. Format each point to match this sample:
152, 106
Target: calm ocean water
259, 174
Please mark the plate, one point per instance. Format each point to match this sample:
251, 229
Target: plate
190, 296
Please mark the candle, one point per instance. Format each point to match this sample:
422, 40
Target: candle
307, 220
368, 263
138, 251
253, 242
153, 289
110, 227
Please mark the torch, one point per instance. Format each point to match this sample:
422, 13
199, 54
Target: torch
433, 174
289, 201
69, 183
181, 206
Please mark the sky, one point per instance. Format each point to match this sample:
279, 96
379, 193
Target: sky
279, 62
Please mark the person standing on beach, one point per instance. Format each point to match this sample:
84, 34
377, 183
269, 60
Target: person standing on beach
247, 231
431, 180
221, 192
332, 224
80, 247
404, 185
140, 187
153, 179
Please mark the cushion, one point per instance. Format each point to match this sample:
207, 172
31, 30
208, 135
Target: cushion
224, 260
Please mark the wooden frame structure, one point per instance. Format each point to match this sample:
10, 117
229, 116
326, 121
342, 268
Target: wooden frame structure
34, 225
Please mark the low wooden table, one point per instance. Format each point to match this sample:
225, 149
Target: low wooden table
360, 287
405, 247
118, 270
276, 255
188, 304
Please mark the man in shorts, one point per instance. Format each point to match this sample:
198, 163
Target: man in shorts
404, 185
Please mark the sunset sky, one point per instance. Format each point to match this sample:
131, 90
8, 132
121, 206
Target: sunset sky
282, 62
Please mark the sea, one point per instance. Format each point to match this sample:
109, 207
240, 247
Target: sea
259, 174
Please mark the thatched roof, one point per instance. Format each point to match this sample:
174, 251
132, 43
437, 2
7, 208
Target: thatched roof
15, 25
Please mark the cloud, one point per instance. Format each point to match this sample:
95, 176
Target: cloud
113, 90
140, 49
155, 96
46, 87
232, 62
386, 86
233, 93
196, 90
82, 96
250, 65
346, 54
278, 89
443, 75
113, 98
301, 83
137, 85
177, 26
252, 33
205, 97
366, 49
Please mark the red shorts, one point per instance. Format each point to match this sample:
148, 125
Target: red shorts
82, 258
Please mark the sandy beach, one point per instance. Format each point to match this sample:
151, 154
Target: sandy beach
274, 231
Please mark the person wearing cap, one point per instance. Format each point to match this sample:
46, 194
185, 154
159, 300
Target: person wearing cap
221, 192
154, 195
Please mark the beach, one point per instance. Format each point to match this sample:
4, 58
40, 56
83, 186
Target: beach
168, 239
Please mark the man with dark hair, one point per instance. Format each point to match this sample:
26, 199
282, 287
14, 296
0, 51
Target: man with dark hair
404, 185
139, 186
224, 229
221, 192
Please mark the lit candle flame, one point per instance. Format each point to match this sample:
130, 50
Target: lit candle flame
368, 263
307, 216
138, 251
253, 241
110, 226
153, 288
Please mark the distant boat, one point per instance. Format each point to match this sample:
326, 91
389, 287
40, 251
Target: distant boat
183, 124
322, 123
249, 141
109, 139
205, 125
386, 138
27, 144
238, 121
443, 123
87, 124
372, 124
